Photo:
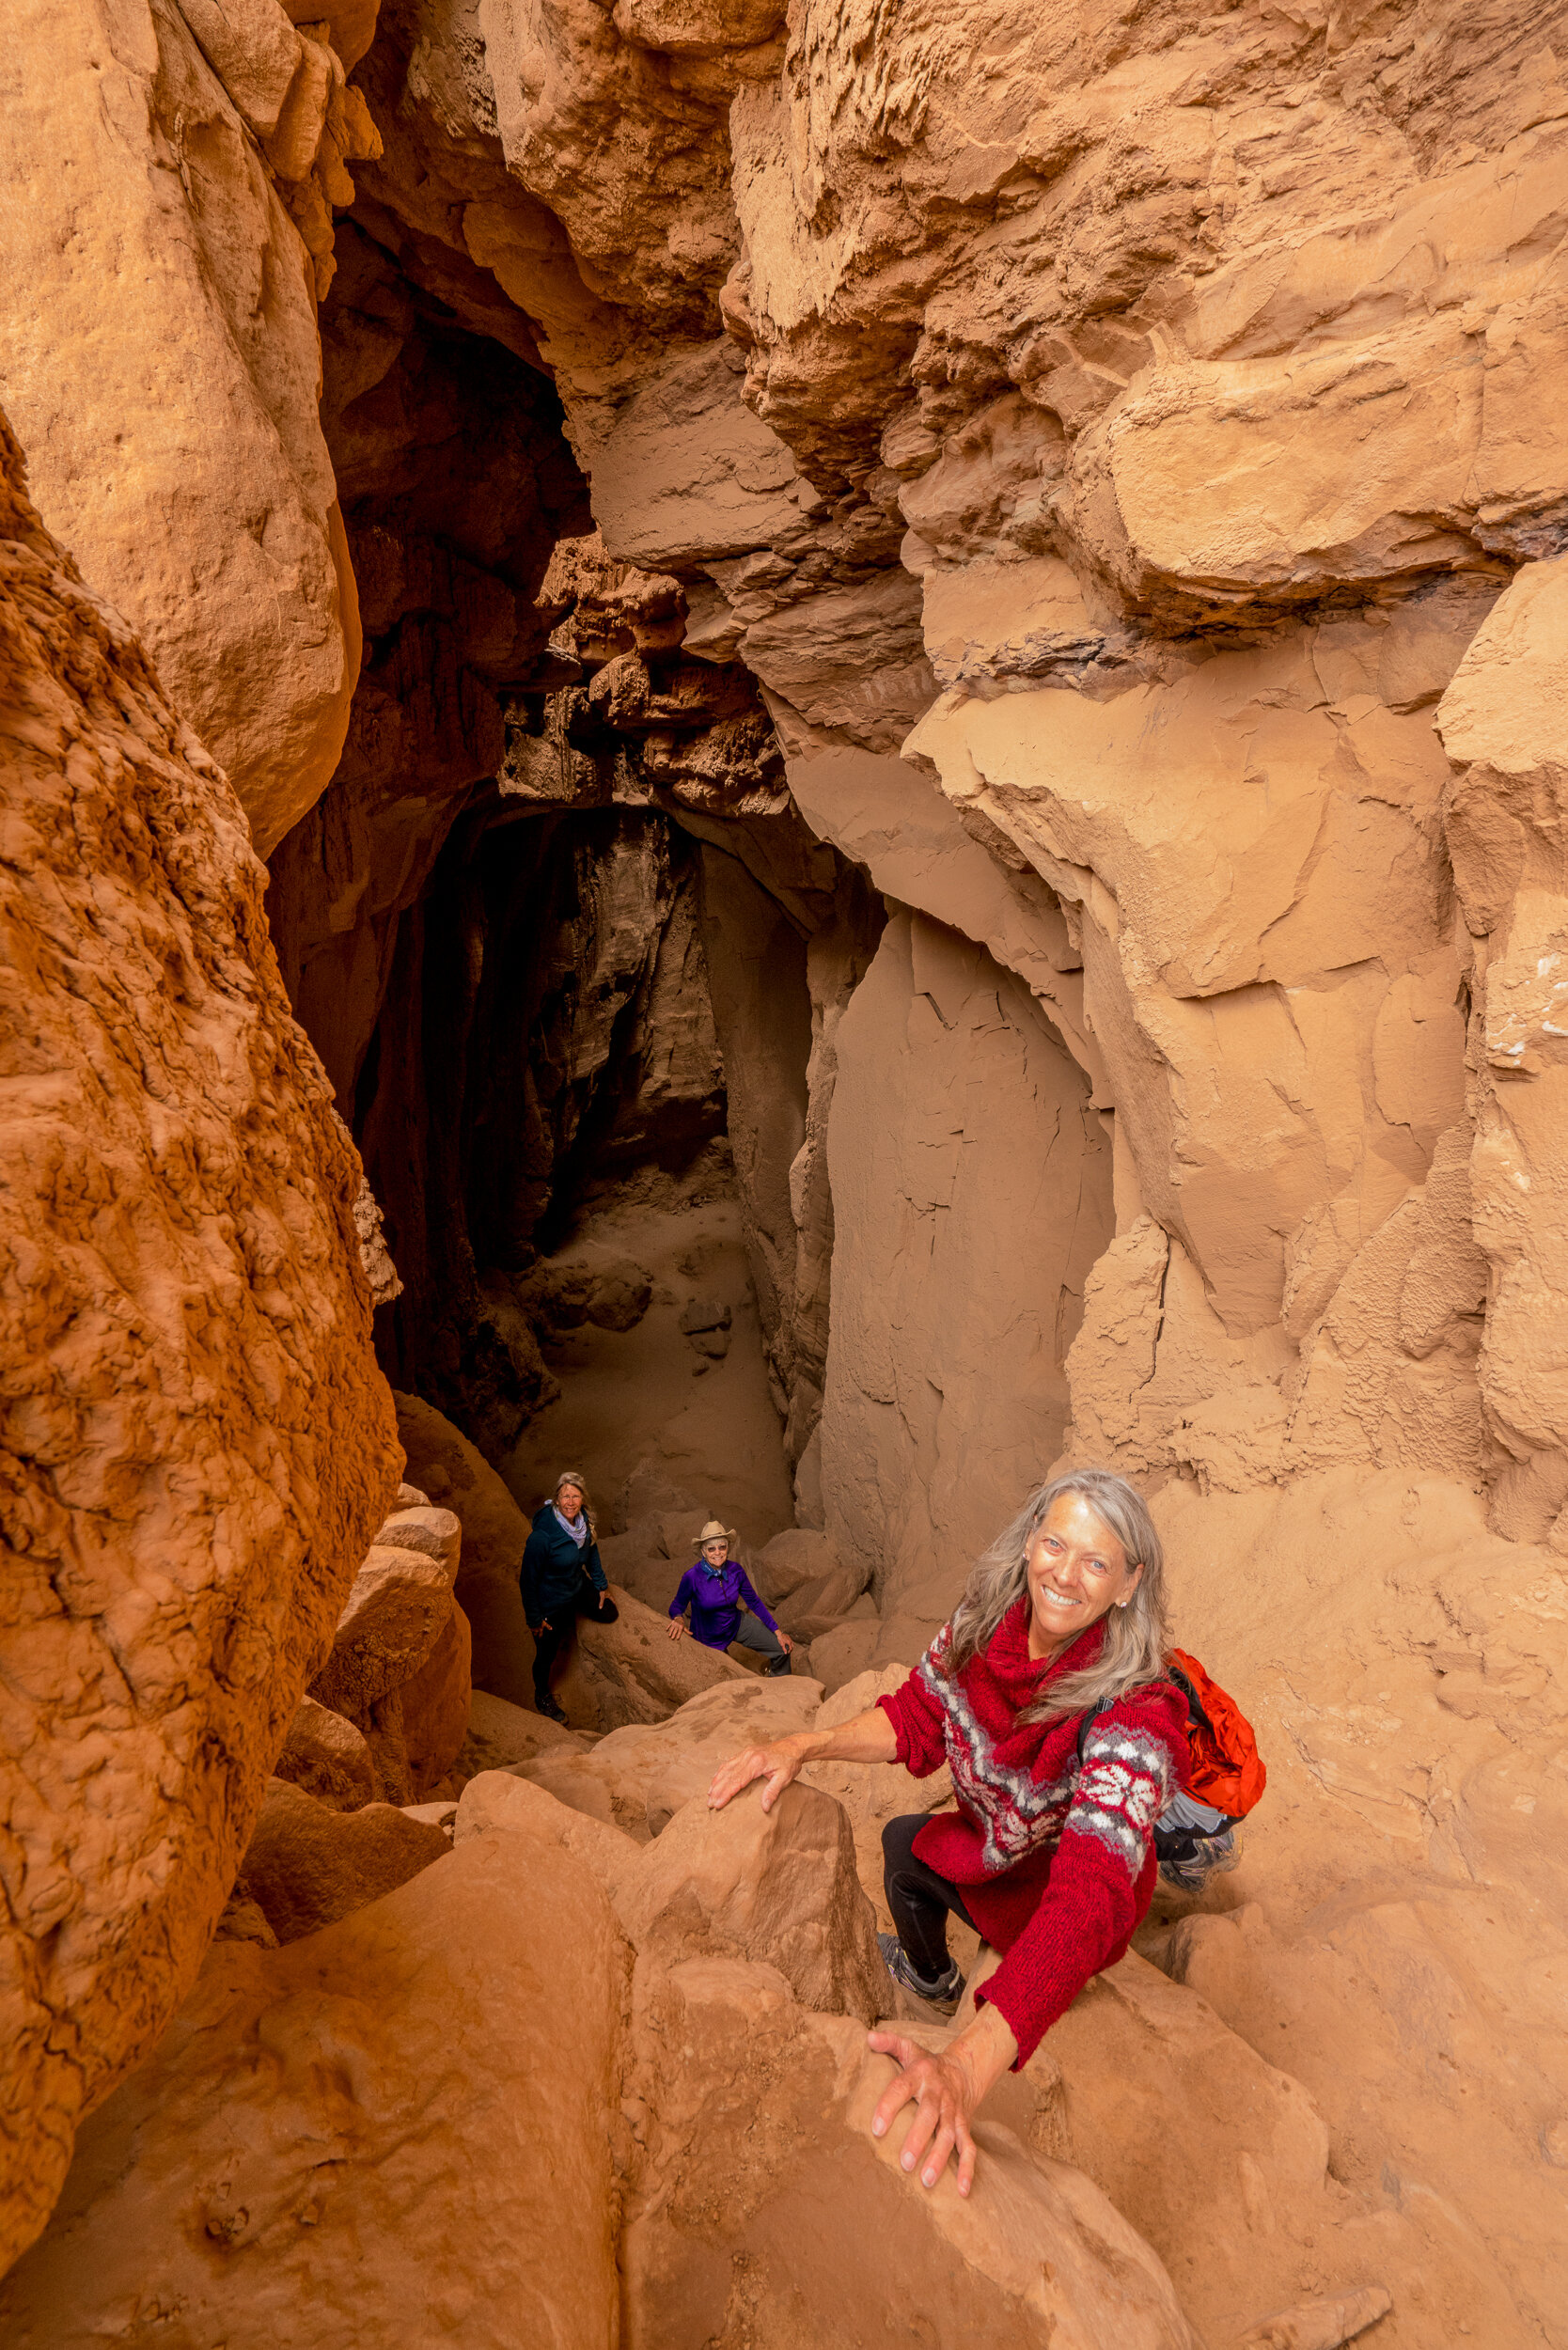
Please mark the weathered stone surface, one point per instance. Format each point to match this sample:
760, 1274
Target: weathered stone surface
431, 1532
399, 1605
494, 1531
327, 1755
1502, 722
186, 469
314, 2142
638, 1778
436, 1703
307, 1864
500, 1734
778, 1887
771, 2108
632, 1671
201, 1443
963, 1148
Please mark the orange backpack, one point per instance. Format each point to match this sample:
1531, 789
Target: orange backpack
1225, 1769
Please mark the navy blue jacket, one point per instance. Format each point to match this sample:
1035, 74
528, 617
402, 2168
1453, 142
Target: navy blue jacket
553, 1567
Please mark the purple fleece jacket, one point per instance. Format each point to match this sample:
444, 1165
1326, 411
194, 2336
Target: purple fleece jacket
715, 1602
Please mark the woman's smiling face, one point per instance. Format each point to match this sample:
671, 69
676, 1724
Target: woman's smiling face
1077, 1569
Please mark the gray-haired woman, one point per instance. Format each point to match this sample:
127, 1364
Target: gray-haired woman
1049, 1856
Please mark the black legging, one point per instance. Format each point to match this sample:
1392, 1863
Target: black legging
918, 1898
563, 1613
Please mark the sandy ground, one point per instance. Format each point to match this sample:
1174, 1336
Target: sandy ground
646, 1393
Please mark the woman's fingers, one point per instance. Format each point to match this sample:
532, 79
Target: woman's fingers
939, 2127
737, 1773
941, 2147
778, 1779
927, 2112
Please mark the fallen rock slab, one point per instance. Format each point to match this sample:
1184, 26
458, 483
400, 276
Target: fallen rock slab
308, 1866
398, 1606
499, 1735
640, 1777
327, 1755
433, 1533
377, 2136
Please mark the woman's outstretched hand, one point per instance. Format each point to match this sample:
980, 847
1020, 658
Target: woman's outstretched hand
942, 2096
944, 2088
778, 1764
677, 1629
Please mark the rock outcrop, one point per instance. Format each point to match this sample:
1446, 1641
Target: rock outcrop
946, 856
200, 1444
191, 157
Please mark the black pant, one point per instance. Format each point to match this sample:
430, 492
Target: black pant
560, 1617
918, 1898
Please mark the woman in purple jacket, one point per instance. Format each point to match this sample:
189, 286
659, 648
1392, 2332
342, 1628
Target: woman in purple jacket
716, 1587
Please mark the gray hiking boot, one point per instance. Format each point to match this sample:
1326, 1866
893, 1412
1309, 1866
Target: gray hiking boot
942, 1995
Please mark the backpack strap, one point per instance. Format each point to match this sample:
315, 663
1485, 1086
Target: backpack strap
1195, 1703
1088, 1722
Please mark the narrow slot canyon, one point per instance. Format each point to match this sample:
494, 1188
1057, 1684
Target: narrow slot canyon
804, 763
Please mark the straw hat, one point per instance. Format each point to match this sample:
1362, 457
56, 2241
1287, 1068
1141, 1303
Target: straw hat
715, 1532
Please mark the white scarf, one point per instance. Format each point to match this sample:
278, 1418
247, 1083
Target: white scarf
578, 1531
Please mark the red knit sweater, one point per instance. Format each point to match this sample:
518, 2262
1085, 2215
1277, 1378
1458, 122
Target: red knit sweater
1057, 1864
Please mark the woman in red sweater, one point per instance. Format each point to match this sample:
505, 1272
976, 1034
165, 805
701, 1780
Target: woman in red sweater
1051, 1861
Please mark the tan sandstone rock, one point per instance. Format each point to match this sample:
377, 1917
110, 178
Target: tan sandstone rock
778, 1887
315, 2142
761, 2199
203, 1445
638, 1776
327, 1756
632, 1671
307, 1865
186, 471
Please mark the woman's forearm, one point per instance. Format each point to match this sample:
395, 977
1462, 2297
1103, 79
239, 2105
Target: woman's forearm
868, 1737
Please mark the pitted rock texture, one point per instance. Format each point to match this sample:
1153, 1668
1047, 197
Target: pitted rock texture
185, 465
198, 1442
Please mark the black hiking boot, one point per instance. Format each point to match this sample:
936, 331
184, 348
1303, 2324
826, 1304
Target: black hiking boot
774, 1666
547, 1706
942, 1995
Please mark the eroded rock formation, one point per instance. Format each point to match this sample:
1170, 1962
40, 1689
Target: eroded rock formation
947, 854
199, 1444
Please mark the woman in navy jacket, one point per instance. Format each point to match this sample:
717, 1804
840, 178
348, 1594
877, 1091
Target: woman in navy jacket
561, 1576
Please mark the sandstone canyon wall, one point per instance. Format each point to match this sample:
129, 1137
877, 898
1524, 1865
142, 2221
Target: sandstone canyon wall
927, 645
198, 1445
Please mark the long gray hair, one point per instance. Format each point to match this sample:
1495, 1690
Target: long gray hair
1137, 1639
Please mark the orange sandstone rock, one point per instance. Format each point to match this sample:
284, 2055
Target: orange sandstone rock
200, 1444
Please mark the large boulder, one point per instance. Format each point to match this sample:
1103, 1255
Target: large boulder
779, 1885
437, 1700
397, 1607
802, 2228
632, 1671
404, 2129
638, 1778
307, 1865
199, 1445
500, 1734
327, 1756
456, 1475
